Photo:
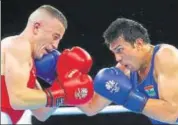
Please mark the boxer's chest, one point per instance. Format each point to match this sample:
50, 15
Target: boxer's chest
148, 85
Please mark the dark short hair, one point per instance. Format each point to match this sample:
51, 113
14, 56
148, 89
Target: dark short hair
129, 29
56, 13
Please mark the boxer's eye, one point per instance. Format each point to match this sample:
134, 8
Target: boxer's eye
119, 50
55, 37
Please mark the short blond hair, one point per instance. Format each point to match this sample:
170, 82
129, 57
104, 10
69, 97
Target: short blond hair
55, 13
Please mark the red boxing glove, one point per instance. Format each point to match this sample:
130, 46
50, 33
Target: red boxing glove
55, 95
75, 58
76, 90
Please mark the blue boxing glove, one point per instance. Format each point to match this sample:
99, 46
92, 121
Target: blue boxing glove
46, 66
114, 85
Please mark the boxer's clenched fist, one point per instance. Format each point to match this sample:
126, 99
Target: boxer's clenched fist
75, 58
75, 90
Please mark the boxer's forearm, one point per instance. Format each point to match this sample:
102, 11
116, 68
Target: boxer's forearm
96, 104
28, 99
161, 110
43, 114
89, 109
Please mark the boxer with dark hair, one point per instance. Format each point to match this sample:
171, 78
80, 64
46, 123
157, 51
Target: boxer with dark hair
145, 80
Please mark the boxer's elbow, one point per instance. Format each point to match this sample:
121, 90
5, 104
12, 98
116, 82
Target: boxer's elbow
174, 117
40, 118
42, 114
161, 110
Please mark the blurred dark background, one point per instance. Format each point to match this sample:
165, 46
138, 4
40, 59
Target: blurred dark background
87, 20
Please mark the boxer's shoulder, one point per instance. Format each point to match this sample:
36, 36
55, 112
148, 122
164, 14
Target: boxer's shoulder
7, 41
166, 58
16, 48
167, 53
166, 49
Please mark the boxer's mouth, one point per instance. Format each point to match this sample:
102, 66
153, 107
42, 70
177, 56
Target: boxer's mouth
45, 51
126, 66
49, 50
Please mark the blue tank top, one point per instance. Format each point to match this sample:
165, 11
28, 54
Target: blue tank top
148, 86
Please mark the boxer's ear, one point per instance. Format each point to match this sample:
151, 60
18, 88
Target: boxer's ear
36, 27
138, 44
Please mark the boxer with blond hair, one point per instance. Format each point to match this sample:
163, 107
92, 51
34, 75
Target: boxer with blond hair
34, 53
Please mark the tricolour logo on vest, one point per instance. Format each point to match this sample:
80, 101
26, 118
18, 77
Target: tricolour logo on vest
150, 90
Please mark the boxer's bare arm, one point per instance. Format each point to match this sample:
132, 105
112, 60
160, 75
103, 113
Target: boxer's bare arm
98, 102
95, 105
44, 113
166, 67
17, 70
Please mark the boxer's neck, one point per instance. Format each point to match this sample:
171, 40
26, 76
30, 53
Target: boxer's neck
27, 37
146, 60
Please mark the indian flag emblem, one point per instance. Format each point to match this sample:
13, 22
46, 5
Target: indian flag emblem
150, 90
